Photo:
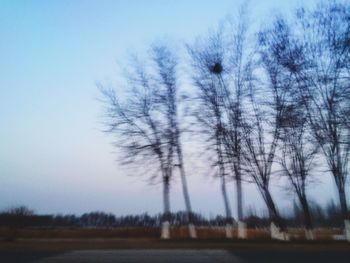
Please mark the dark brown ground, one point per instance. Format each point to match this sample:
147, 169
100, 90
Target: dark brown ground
140, 250
153, 243
137, 245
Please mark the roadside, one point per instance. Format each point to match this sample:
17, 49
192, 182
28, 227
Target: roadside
152, 243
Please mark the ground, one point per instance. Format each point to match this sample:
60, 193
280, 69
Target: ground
183, 251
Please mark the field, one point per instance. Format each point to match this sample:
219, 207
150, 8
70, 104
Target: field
9, 234
144, 245
148, 238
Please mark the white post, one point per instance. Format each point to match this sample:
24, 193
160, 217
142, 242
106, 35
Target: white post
277, 234
347, 229
228, 231
192, 230
309, 234
242, 230
165, 230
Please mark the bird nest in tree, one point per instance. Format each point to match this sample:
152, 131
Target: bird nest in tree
216, 68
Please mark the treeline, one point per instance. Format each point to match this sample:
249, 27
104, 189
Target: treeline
22, 217
263, 104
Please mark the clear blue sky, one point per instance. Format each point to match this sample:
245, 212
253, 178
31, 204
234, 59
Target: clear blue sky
53, 156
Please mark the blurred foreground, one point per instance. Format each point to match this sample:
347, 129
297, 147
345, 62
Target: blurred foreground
155, 250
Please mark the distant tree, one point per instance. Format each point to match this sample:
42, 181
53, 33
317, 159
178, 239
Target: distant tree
97, 219
20, 211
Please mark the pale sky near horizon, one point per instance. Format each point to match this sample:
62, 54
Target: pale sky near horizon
54, 158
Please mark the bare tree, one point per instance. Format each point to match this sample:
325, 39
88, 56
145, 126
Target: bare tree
322, 70
207, 62
141, 129
166, 64
235, 92
263, 128
222, 65
297, 149
259, 152
297, 157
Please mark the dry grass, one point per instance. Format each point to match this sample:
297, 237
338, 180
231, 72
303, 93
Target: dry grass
319, 233
148, 238
141, 232
62, 233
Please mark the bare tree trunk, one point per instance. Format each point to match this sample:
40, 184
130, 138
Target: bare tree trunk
307, 219
228, 227
278, 229
191, 228
167, 64
340, 179
242, 228
344, 212
185, 194
166, 196
166, 202
275, 218
239, 197
307, 215
343, 203
226, 202
238, 177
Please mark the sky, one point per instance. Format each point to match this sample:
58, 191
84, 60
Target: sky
54, 157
